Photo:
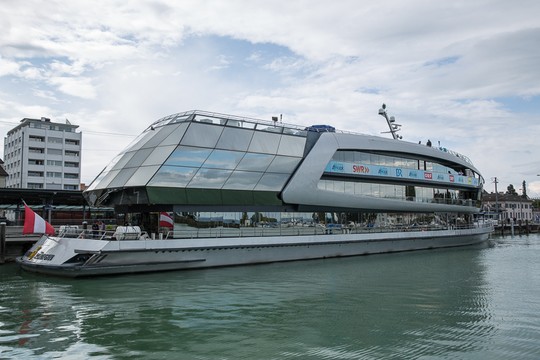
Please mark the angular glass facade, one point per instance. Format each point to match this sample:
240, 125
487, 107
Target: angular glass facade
180, 155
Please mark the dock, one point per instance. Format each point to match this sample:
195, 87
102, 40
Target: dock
13, 243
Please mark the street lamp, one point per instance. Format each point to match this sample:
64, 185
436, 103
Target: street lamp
391, 121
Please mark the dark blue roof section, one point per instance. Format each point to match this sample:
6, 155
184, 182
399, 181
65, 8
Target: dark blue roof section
321, 128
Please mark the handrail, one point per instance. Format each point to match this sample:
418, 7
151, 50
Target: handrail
196, 233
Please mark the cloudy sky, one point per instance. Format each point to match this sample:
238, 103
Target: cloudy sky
462, 73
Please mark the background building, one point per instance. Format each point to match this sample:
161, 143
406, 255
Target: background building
40, 154
510, 207
3, 174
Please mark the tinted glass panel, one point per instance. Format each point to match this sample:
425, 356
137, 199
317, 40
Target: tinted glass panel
159, 155
96, 183
188, 156
272, 182
223, 159
121, 162
243, 180
202, 135
235, 139
138, 158
160, 134
209, 178
291, 145
264, 142
123, 176
173, 176
141, 140
283, 164
132, 144
107, 179
255, 162
176, 133
142, 175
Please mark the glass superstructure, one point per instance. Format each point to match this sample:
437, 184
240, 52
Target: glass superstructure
217, 171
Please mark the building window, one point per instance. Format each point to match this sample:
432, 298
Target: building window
71, 164
71, 176
54, 151
72, 153
54, 140
35, 162
36, 138
35, 150
35, 173
72, 142
54, 163
70, 187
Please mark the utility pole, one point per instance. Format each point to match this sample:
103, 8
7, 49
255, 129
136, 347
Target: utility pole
496, 198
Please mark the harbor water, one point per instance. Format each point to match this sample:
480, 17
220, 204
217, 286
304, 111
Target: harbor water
478, 302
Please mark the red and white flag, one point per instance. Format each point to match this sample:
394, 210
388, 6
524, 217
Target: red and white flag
165, 220
34, 224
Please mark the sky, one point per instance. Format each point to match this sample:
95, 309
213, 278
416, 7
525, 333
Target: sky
463, 74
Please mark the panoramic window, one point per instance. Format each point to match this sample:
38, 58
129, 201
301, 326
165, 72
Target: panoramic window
173, 176
202, 135
188, 156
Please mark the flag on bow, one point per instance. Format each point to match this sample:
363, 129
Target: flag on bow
165, 220
34, 224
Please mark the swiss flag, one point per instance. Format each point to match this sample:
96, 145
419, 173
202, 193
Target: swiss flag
34, 224
165, 220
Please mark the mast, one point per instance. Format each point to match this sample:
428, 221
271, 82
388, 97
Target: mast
391, 121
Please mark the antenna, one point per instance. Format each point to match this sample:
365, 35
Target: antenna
392, 125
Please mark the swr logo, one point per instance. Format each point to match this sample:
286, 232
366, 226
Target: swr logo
360, 169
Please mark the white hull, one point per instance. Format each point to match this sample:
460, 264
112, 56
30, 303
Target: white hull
100, 257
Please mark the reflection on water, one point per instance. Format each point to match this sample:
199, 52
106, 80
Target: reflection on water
458, 303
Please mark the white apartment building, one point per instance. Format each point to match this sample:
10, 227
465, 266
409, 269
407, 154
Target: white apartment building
40, 154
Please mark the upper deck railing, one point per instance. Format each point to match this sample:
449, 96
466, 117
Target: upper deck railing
259, 124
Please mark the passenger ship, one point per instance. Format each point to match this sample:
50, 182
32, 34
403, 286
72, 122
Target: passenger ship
239, 190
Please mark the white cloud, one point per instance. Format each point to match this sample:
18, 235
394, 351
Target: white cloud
442, 68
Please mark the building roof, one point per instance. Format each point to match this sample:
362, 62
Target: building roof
502, 197
27, 121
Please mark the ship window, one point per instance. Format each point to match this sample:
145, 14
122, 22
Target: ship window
96, 183
141, 140
223, 159
348, 156
173, 176
255, 162
235, 139
160, 134
291, 145
264, 143
361, 157
209, 178
188, 156
142, 175
159, 155
243, 180
123, 176
270, 128
272, 182
283, 164
107, 179
122, 160
202, 135
138, 158
176, 134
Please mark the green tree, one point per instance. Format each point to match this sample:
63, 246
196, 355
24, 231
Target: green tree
524, 190
510, 190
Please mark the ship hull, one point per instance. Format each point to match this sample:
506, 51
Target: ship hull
100, 257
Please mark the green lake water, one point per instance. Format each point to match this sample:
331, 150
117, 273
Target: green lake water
479, 302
